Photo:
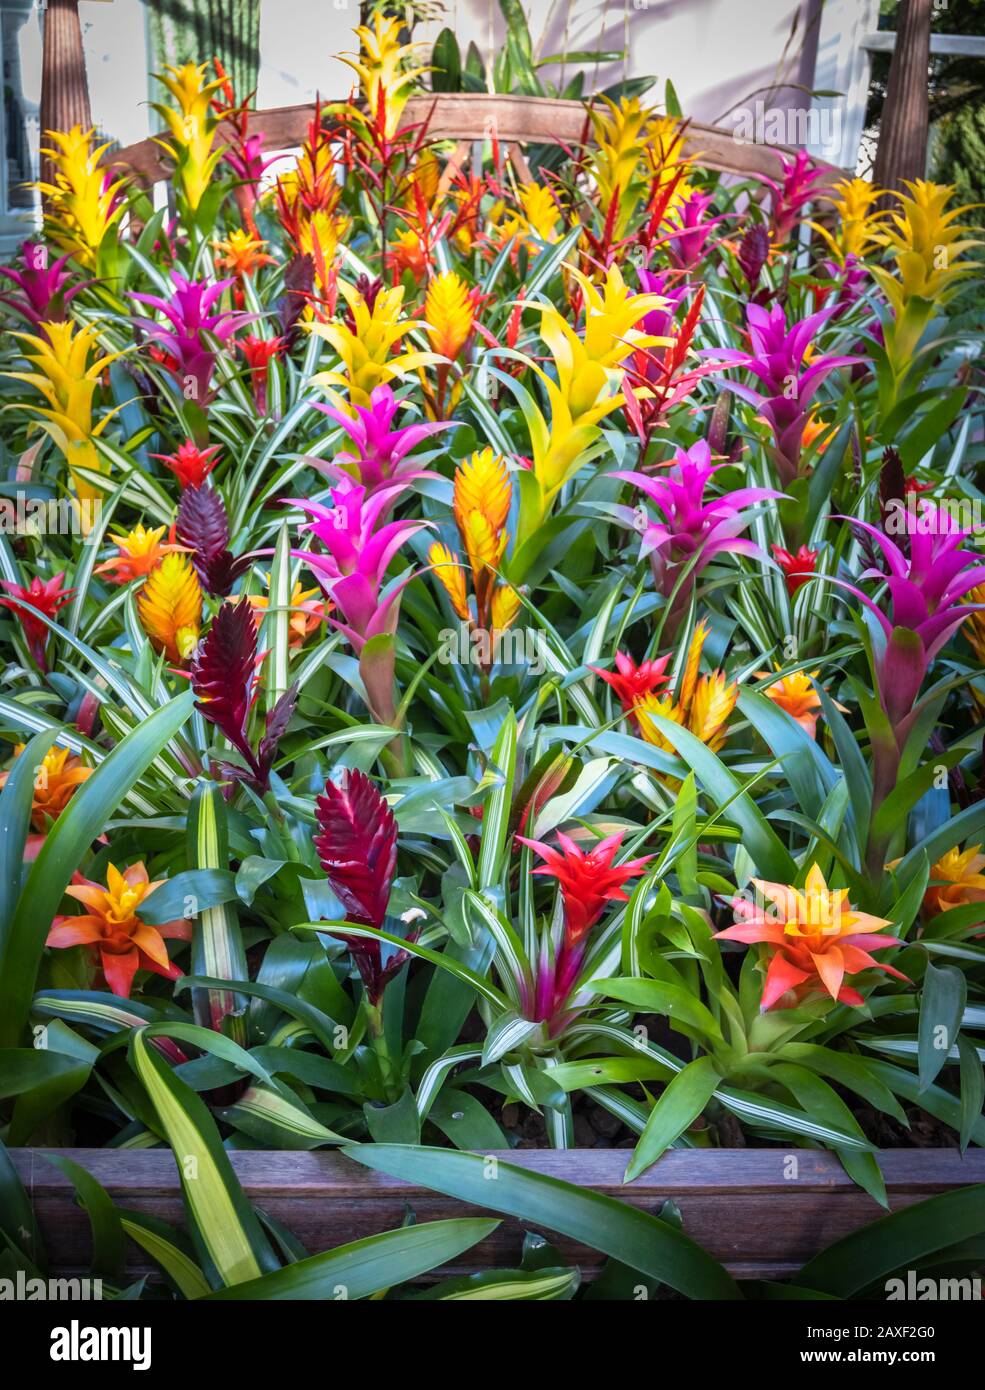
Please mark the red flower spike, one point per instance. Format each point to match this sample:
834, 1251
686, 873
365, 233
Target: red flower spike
797, 569
222, 674
588, 881
632, 682
357, 846
48, 597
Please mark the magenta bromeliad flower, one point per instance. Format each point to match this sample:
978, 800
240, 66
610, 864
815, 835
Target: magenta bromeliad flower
356, 550
925, 589
791, 372
799, 187
188, 312
45, 286
687, 242
691, 527
381, 453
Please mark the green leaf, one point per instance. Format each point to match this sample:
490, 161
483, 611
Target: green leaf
898, 1241
367, 1266
16, 800
972, 1089
675, 1002
941, 1006
505, 1285
167, 1248
108, 1241
220, 1217
66, 845
680, 1103
494, 849
398, 1123
627, 1234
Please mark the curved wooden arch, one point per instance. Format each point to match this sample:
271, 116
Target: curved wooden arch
469, 116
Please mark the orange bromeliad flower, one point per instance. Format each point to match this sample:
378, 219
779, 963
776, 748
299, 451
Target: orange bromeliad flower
308, 612
122, 943
796, 694
170, 607
814, 938
956, 879
55, 780
140, 552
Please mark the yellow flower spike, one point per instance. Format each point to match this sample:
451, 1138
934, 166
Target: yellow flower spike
689, 679
666, 707
138, 553
973, 629
170, 607
537, 216
82, 205
241, 253
452, 576
860, 228
713, 702
450, 314
617, 165
505, 607
928, 245
365, 348
381, 67
482, 485
67, 380
192, 128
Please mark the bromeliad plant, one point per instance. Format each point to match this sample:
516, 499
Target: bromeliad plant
365, 780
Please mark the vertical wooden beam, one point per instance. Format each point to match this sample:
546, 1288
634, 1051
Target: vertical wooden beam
903, 130
64, 89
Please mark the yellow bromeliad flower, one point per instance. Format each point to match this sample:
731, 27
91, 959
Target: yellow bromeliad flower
381, 67
481, 506
365, 347
192, 127
928, 246
139, 552
538, 216
68, 380
956, 879
55, 780
449, 310
170, 607
588, 367
635, 146
83, 205
702, 704
860, 226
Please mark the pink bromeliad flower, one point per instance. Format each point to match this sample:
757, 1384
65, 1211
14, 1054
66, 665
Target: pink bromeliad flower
690, 526
790, 372
380, 453
188, 311
799, 187
350, 566
45, 286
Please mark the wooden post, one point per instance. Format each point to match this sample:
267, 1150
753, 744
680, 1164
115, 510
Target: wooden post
64, 89
903, 130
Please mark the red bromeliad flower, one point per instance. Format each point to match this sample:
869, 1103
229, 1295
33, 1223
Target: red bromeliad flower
190, 465
259, 353
797, 569
48, 597
632, 682
202, 527
357, 846
588, 881
120, 940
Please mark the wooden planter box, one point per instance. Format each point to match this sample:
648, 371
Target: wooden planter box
742, 1205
